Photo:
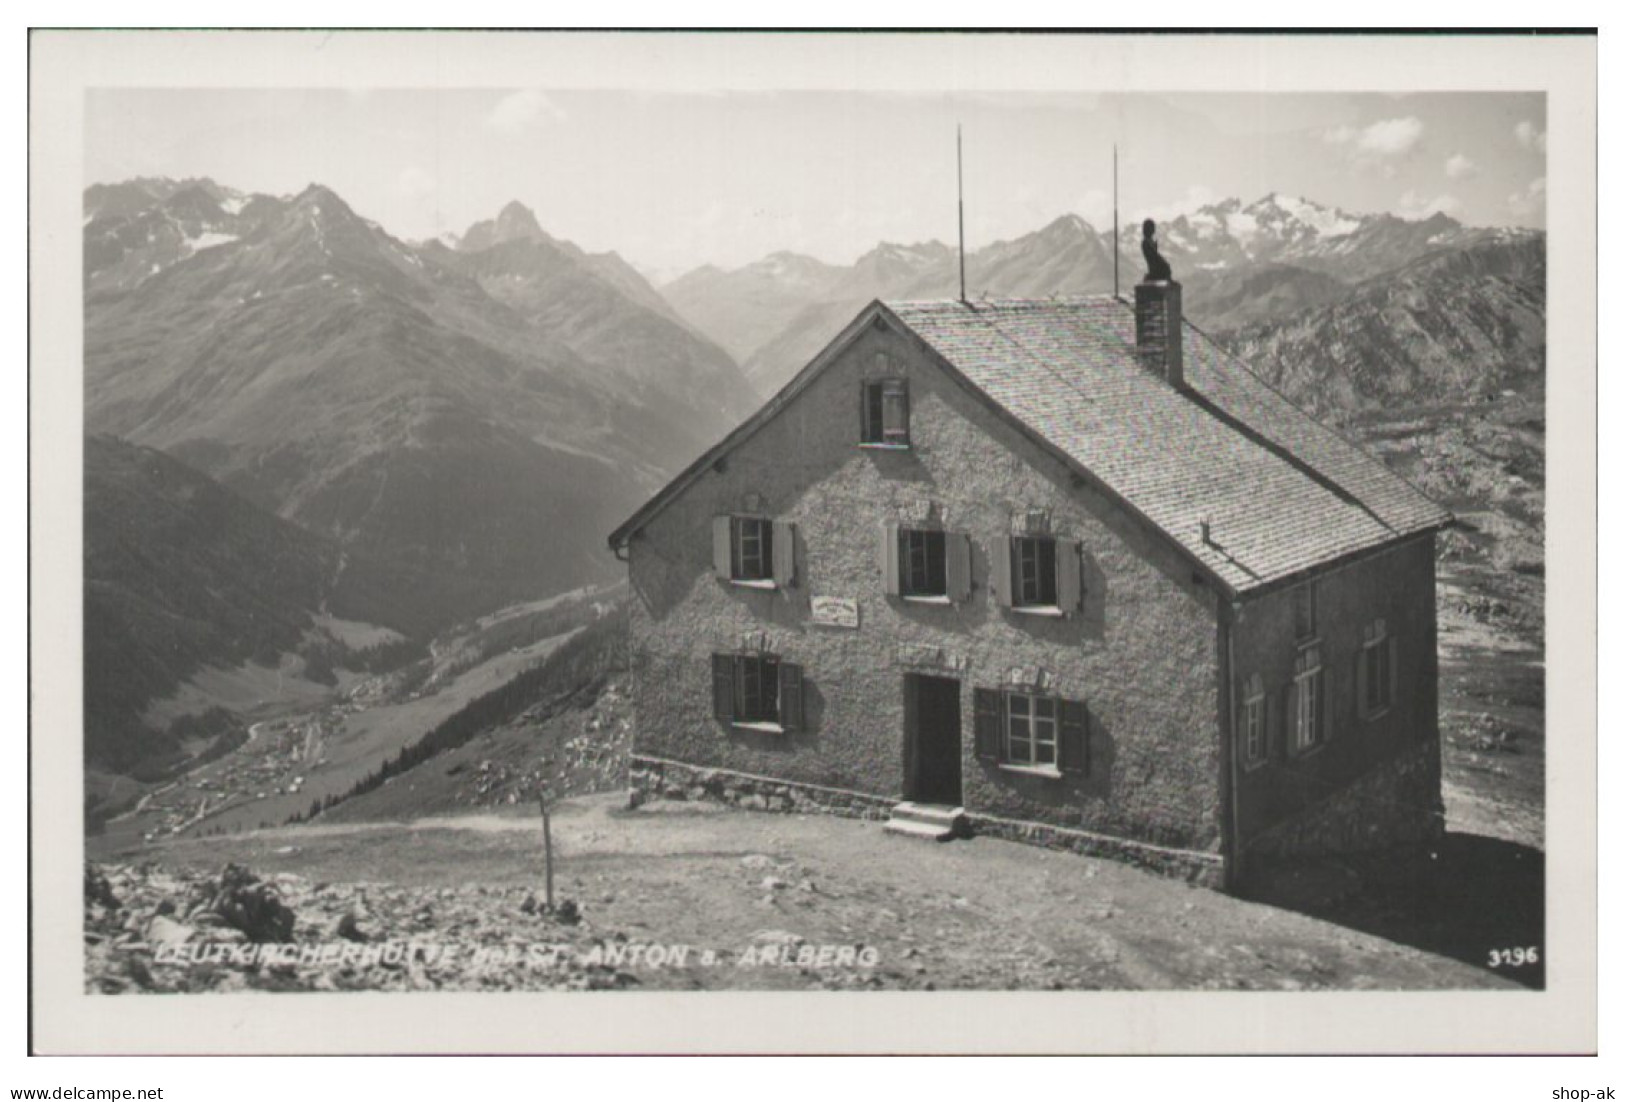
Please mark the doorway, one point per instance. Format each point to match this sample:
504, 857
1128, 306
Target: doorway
931, 739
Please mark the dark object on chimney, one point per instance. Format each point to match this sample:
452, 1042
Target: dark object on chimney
1156, 268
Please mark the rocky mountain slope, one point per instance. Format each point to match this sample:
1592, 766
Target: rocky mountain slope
182, 573
474, 420
605, 312
1065, 257
744, 308
1459, 325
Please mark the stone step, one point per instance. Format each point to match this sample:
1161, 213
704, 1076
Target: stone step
943, 814
918, 820
912, 829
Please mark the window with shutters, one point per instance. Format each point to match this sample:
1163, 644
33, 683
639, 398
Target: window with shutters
1376, 673
1032, 731
926, 565
1034, 566
1254, 745
1308, 690
756, 691
885, 413
752, 551
1038, 574
1029, 732
923, 563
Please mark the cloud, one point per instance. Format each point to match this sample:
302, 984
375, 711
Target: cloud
1530, 200
1414, 208
414, 183
521, 110
1195, 197
1384, 138
1460, 167
1529, 137
1095, 205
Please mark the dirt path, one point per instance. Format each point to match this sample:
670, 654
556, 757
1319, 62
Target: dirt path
969, 914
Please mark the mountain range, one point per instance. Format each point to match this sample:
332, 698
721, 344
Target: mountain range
1241, 264
463, 414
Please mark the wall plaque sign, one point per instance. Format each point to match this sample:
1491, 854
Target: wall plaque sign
835, 612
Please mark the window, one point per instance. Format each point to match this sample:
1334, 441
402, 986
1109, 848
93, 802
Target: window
1035, 570
1303, 610
1253, 739
1033, 736
1307, 683
1028, 731
753, 551
927, 565
923, 568
756, 690
1377, 671
885, 413
752, 548
1039, 574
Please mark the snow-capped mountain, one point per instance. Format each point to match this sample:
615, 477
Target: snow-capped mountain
1284, 229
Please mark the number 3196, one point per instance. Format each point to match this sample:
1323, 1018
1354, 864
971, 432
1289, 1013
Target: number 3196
1515, 957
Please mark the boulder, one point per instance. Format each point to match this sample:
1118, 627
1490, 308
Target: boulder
98, 890
249, 904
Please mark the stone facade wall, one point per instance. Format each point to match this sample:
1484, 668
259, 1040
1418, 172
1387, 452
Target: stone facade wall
1396, 586
1143, 653
1396, 803
1203, 868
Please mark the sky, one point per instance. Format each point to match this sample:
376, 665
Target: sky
674, 180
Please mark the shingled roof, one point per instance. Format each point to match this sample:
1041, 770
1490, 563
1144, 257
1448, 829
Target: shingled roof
1281, 493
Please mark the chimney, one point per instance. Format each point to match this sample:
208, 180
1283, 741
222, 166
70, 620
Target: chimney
1158, 329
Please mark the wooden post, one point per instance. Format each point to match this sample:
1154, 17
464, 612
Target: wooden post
547, 846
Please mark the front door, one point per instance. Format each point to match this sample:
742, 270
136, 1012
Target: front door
931, 739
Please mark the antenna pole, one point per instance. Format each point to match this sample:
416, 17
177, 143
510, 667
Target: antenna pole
959, 139
1117, 245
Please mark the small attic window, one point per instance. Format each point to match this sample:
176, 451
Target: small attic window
884, 410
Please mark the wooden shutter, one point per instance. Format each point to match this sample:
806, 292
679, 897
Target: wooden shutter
889, 560
958, 549
1289, 722
989, 723
784, 553
1393, 671
789, 695
722, 547
894, 406
869, 430
1074, 737
1362, 681
722, 686
999, 573
1068, 577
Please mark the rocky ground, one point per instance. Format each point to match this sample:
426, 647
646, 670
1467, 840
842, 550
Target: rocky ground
759, 900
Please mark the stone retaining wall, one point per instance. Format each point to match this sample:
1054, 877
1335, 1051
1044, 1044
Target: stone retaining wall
655, 778
1206, 869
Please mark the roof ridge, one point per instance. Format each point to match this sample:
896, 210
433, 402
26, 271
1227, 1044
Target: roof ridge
972, 305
